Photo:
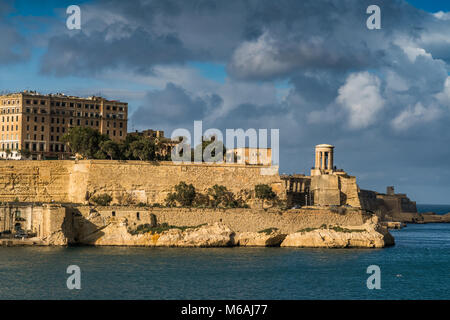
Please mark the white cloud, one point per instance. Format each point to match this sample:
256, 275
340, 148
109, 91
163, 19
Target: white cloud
258, 57
415, 115
442, 15
360, 97
444, 96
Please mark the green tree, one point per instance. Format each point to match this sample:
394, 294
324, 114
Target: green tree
264, 192
102, 199
222, 197
84, 141
184, 194
143, 149
110, 148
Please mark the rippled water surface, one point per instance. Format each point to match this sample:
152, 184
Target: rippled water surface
416, 268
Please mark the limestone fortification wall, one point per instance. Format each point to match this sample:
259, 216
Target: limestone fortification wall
71, 181
239, 220
39, 181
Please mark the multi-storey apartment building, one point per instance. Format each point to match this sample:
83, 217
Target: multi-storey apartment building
32, 123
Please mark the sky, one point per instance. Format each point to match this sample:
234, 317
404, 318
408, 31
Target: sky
311, 69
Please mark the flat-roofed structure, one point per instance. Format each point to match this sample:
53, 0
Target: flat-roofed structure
256, 156
32, 124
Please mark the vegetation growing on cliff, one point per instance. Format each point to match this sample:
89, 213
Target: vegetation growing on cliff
217, 196
220, 196
264, 192
268, 230
334, 228
146, 228
102, 199
184, 194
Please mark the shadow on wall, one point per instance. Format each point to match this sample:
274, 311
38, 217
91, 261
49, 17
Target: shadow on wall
83, 230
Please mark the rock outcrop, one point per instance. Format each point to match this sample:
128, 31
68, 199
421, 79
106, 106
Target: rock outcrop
259, 239
57, 238
116, 234
415, 217
369, 235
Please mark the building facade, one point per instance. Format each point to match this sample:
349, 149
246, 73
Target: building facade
32, 124
255, 156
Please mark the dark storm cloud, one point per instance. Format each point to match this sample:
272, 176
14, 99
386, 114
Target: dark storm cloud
172, 107
381, 96
13, 46
91, 54
258, 39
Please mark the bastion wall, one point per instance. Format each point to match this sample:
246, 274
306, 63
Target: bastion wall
239, 220
148, 182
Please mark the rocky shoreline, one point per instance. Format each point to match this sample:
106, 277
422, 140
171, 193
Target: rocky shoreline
369, 235
419, 218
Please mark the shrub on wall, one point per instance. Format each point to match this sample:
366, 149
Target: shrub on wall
265, 192
220, 196
126, 198
184, 195
102, 199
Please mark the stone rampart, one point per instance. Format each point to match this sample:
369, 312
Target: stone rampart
147, 182
239, 220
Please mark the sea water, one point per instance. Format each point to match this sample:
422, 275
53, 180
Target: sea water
417, 267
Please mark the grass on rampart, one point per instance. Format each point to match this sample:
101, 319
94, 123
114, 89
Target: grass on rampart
147, 228
334, 228
268, 230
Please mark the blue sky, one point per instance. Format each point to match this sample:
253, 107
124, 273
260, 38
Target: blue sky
380, 96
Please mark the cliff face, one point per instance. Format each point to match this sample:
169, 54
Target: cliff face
116, 233
369, 235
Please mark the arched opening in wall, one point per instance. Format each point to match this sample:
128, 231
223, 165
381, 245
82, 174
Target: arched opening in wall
113, 213
138, 216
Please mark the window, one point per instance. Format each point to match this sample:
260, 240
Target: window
138, 216
113, 213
